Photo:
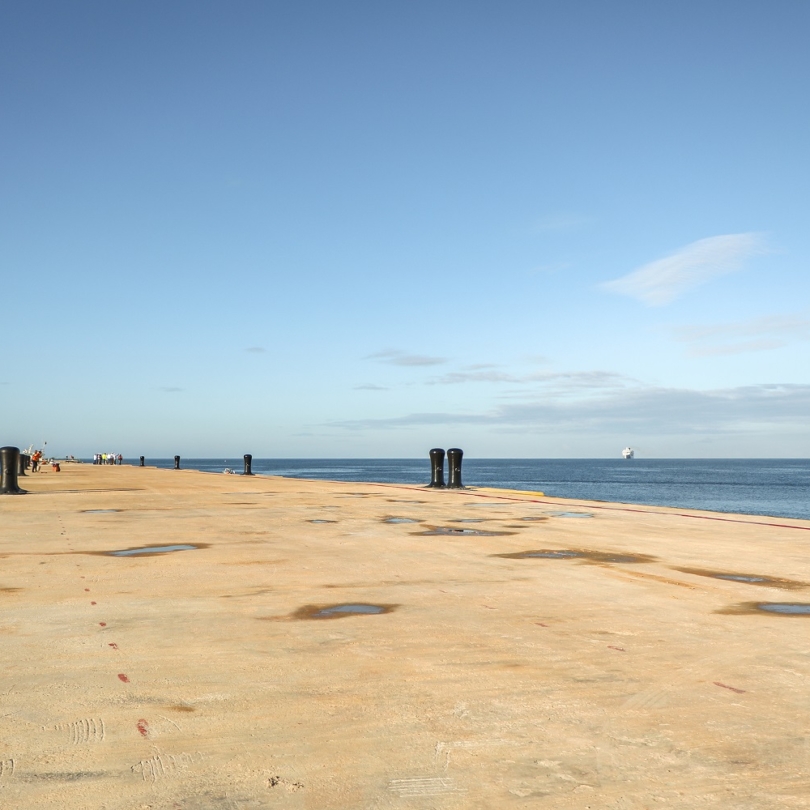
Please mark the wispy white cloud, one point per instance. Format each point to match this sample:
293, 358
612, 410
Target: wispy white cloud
395, 357
256, 349
563, 382
370, 387
752, 335
662, 281
640, 410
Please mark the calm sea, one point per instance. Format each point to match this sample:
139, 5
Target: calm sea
751, 486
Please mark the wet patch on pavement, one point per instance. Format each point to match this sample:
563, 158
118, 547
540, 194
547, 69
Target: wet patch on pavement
320, 520
768, 608
99, 511
454, 531
571, 514
341, 610
586, 555
747, 579
147, 551
400, 520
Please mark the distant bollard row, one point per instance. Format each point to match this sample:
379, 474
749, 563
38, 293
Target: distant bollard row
454, 456
9, 470
248, 458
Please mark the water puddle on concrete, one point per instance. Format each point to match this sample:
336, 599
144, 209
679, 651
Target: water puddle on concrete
400, 520
764, 608
323, 521
342, 610
533, 519
452, 531
571, 514
468, 520
150, 551
749, 579
99, 511
786, 608
587, 555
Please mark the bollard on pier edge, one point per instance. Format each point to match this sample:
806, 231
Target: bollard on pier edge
436, 468
248, 464
177, 462
21, 465
9, 467
143, 461
454, 456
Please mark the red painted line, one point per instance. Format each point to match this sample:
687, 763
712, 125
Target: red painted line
102, 624
143, 728
122, 677
113, 645
738, 691
92, 603
620, 649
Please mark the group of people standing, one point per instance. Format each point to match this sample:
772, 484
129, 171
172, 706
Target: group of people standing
107, 458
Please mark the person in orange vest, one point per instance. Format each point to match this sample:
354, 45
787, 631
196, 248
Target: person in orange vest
35, 459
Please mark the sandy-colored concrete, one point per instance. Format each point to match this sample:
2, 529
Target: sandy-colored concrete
196, 679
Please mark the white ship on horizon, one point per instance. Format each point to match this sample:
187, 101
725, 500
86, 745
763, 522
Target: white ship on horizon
628, 452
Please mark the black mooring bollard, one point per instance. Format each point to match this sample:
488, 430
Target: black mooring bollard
9, 467
454, 468
177, 462
248, 464
143, 461
21, 465
436, 468
26, 460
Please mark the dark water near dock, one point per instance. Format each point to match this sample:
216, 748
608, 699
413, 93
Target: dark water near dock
777, 487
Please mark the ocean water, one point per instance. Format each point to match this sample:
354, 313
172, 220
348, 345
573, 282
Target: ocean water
776, 487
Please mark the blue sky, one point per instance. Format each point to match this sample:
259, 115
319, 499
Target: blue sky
367, 229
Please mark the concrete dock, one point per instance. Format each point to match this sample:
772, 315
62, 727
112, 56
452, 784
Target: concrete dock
510, 650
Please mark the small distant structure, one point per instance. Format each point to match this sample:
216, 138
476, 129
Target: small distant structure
628, 452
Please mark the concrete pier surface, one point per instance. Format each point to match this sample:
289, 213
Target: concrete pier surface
624, 662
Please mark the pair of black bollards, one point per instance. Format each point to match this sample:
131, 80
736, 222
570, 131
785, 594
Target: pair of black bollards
9, 470
454, 456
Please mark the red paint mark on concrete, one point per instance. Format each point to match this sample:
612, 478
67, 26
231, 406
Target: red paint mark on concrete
113, 645
122, 677
88, 590
732, 688
143, 728
92, 603
620, 649
102, 624
540, 624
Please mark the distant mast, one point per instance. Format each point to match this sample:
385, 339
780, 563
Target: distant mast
628, 452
